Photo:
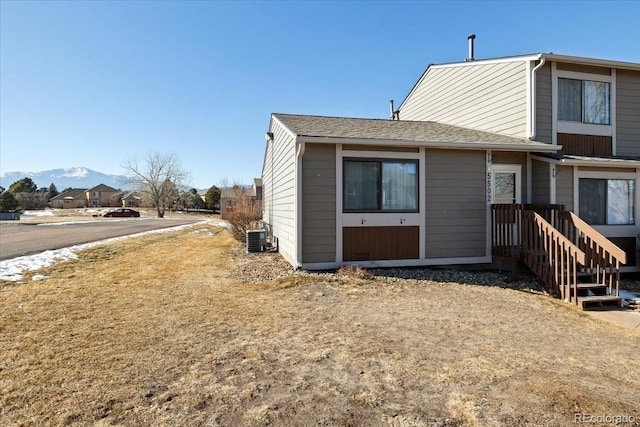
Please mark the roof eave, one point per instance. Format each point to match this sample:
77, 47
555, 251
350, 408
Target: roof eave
480, 145
619, 163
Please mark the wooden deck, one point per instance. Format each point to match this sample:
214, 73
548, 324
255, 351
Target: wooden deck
573, 260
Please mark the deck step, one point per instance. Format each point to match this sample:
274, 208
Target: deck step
599, 302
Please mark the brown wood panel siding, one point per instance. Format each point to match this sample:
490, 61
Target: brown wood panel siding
319, 203
456, 205
543, 104
539, 182
348, 147
628, 113
628, 245
585, 144
578, 68
380, 243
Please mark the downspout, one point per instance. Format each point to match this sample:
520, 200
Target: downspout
298, 204
532, 133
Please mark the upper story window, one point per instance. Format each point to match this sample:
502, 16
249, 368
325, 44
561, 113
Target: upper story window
95, 194
584, 101
380, 185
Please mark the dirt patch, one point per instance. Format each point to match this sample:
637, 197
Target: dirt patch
171, 329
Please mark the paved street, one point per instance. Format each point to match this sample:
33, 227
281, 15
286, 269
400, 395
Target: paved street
17, 239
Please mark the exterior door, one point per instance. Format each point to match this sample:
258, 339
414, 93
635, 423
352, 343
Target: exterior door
507, 184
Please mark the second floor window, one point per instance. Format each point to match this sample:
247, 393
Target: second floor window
584, 101
95, 194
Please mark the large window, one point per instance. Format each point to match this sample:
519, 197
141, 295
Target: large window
607, 201
584, 101
380, 185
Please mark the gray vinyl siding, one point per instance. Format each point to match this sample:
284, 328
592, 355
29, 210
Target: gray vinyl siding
564, 186
543, 105
278, 180
319, 203
489, 97
628, 113
540, 182
455, 204
511, 158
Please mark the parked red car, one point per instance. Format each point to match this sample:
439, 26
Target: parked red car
121, 212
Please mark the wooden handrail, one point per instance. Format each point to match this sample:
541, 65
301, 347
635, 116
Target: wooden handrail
605, 243
552, 256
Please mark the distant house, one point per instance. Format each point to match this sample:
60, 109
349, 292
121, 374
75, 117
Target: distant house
241, 197
132, 199
99, 196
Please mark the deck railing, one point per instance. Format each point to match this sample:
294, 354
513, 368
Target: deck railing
556, 245
552, 256
603, 258
506, 225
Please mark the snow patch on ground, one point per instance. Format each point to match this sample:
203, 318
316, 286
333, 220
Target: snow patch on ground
45, 212
12, 270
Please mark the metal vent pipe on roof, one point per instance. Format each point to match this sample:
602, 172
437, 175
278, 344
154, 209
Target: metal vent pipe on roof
471, 38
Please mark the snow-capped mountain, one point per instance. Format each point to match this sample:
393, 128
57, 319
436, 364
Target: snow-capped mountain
75, 177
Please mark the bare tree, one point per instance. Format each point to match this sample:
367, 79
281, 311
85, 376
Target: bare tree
158, 176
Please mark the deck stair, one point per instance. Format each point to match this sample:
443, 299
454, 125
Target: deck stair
573, 260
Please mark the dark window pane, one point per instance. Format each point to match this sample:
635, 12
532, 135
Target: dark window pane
361, 185
570, 100
592, 195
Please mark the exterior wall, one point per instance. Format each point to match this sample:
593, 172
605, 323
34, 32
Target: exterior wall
456, 207
278, 179
540, 182
564, 186
511, 158
543, 104
319, 203
628, 113
490, 97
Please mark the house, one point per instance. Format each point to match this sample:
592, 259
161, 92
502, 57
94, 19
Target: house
132, 199
243, 197
419, 189
98, 196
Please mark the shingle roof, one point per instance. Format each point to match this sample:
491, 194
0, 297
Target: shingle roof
394, 130
102, 187
71, 193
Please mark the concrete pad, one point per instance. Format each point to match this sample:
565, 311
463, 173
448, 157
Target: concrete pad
625, 318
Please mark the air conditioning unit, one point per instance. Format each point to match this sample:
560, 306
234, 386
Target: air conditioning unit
256, 240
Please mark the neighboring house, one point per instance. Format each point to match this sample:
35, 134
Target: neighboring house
73, 198
132, 199
103, 196
418, 191
241, 197
98, 196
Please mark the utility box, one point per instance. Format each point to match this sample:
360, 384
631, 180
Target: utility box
256, 240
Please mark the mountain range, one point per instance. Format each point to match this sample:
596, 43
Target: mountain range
75, 177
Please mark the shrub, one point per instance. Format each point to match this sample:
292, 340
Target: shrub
354, 271
245, 215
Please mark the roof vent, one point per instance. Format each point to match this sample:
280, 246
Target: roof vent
471, 38
395, 114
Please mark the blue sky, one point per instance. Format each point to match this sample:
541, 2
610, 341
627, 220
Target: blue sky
93, 83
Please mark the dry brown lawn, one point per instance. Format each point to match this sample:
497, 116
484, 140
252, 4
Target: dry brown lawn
159, 330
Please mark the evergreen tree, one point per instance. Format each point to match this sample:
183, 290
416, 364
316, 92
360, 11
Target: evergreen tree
24, 185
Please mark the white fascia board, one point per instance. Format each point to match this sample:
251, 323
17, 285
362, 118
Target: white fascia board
275, 119
590, 162
592, 61
540, 147
487, 61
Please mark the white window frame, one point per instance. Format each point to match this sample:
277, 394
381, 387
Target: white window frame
507, 168
560, 126
618, 230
